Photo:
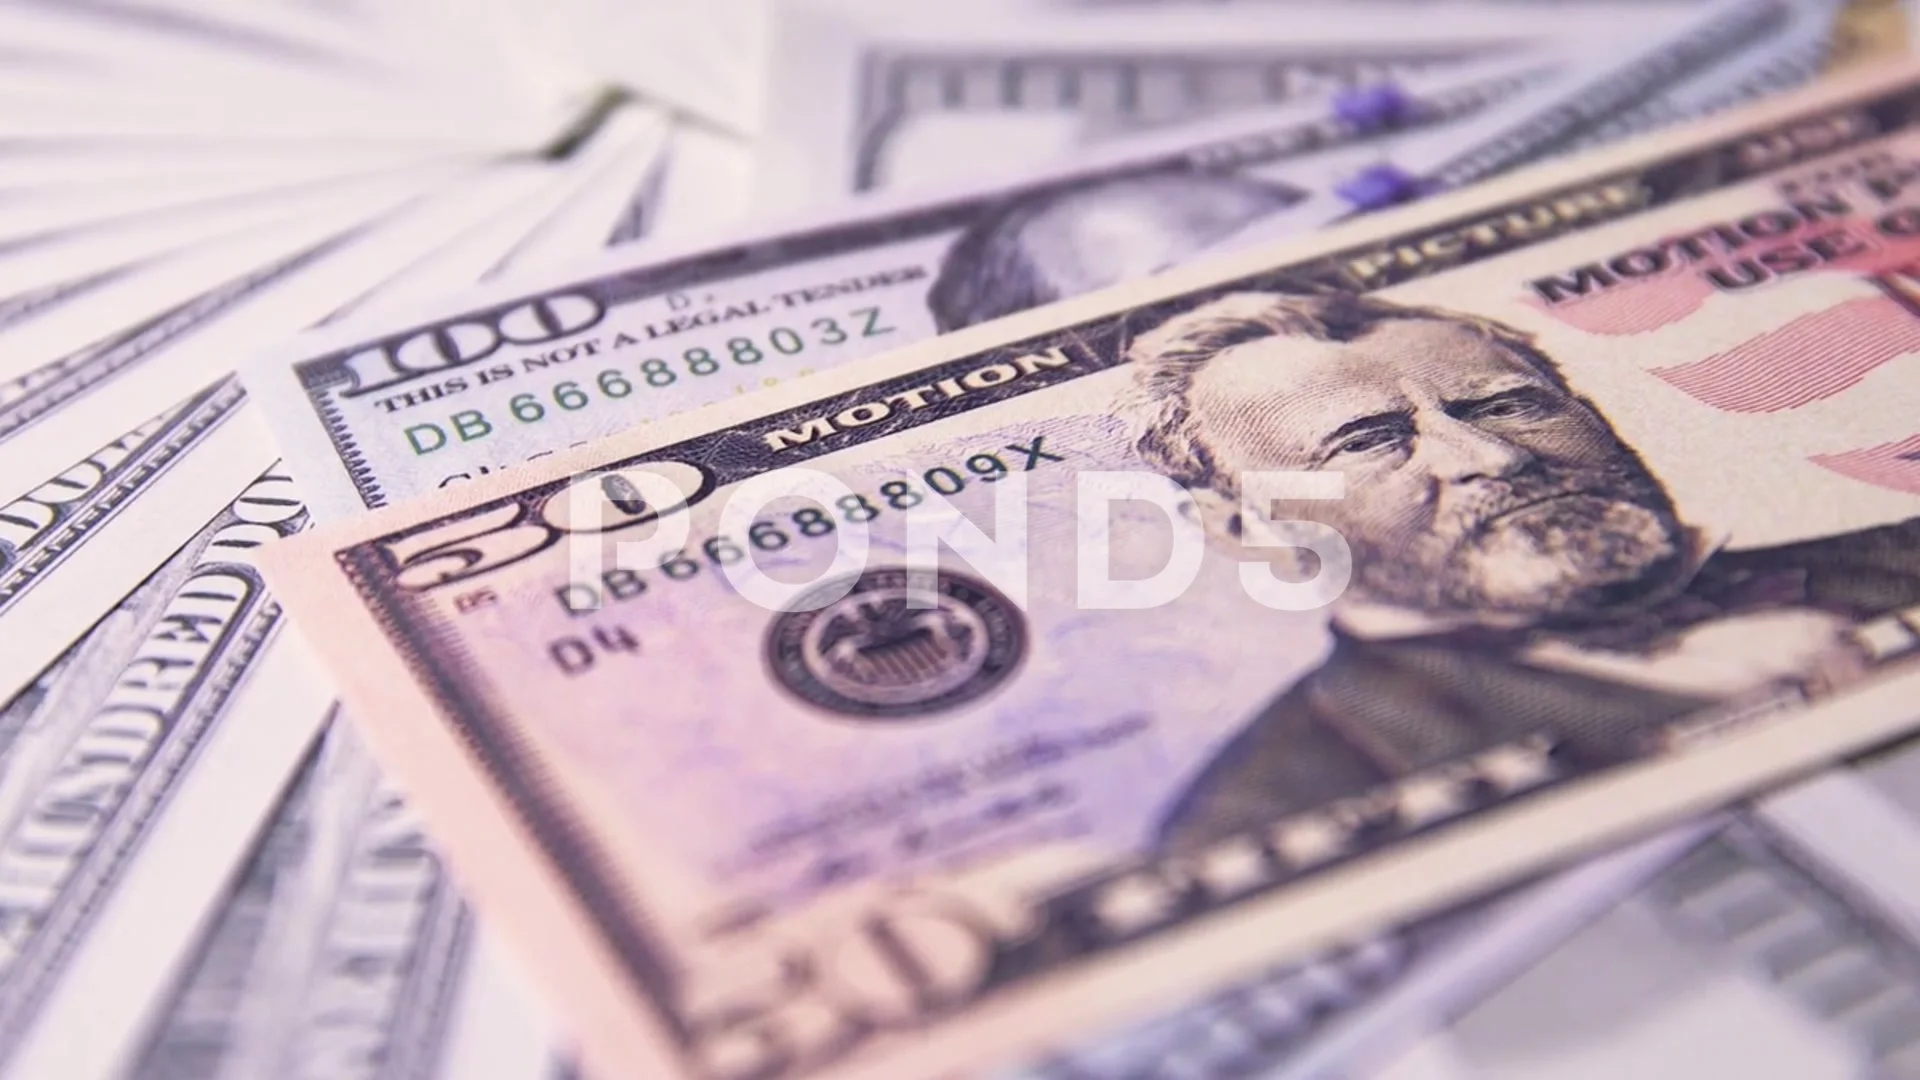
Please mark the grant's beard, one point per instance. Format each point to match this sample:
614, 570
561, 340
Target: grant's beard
1556, 543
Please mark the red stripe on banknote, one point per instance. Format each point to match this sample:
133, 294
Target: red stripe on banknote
1638, 309
1813, 357
1893, 465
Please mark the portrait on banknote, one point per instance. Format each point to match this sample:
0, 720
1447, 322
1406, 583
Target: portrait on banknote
1517, 566
1040, 246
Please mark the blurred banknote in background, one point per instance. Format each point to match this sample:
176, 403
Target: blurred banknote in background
269, 266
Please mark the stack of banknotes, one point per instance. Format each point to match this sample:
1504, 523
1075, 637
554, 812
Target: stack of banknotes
1027, 540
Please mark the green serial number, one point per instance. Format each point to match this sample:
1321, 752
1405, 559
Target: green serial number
618, 383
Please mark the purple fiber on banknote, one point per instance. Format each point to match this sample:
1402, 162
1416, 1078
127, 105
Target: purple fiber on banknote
1372, 107
1378, 186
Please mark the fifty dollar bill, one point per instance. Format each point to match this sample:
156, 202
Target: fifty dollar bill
1607, 475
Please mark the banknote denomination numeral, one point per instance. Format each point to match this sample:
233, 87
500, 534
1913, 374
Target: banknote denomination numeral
463, 547
532, 322
757, 1013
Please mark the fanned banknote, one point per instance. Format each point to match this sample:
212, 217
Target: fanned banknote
342, 944
126, 786
873, 725
105, 935
805, 295
113, 74
418, 240
891, 271
1364, 998
869, 98
1775, 940
1786, 942
47, 259
448, 1007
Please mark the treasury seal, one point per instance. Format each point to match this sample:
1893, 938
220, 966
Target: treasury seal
885, 651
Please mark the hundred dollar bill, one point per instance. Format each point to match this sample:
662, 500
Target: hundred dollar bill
41, 530
1785, 943
596, 196
45, 527
122, 980
902, 96
74, 552
373, 413
1802, 48
919, 265
1730, 53
703, 60
70, 558
706, 188
49, 262
284, 33
126, 789
26, 166
25, 305
1865, 29
454, 50
395, 39
1816, 38
41, 212
853, 730
122, 76
343, 883
47, 213
611, 204
172, 279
